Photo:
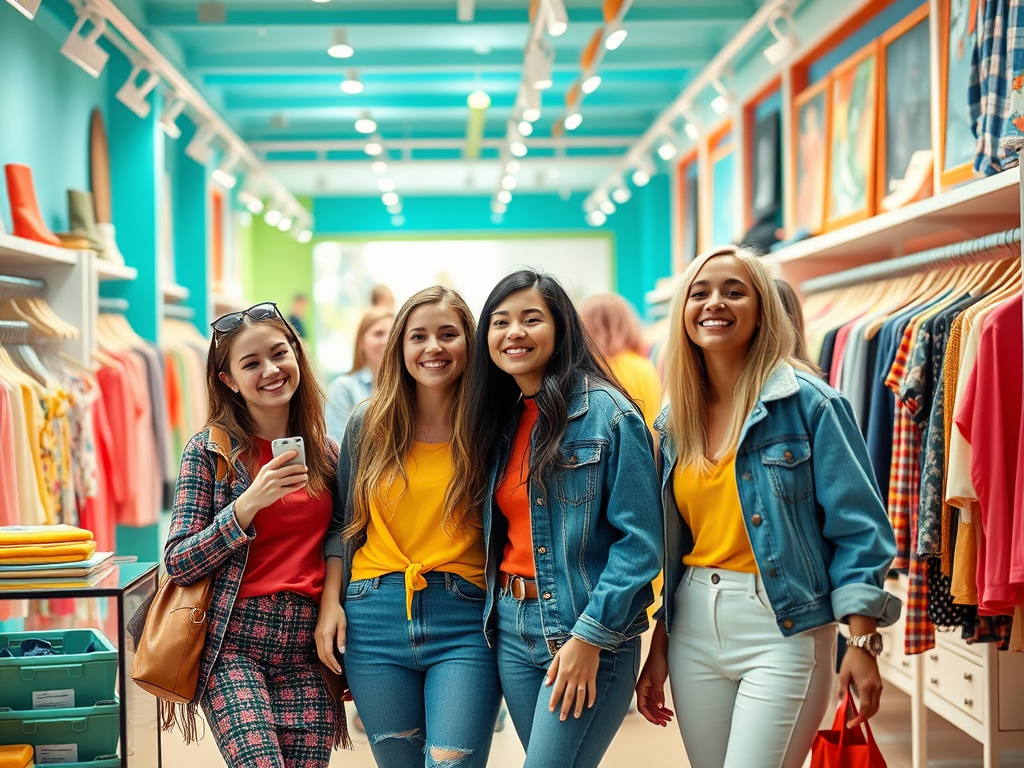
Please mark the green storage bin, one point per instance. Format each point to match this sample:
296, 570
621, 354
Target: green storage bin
70, 678
95, 730
106, 762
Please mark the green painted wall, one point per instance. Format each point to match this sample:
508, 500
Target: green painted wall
278, 267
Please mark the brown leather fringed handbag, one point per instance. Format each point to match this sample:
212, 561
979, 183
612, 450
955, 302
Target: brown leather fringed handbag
170, 648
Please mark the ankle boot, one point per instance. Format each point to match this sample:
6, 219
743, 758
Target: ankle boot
25, 215
108, 244
82, 218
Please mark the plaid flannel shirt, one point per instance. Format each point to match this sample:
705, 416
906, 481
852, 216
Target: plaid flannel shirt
205, 536
995, 61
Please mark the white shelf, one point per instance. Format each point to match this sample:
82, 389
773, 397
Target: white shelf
18, 250
106, 270
975, 209
174, 292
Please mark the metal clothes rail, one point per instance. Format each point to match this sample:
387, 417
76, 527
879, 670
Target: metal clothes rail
14, 332
179, 312
113, 306
1001, 245
12, 287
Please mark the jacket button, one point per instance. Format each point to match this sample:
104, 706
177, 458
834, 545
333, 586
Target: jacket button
546, 595
756, 520
715, 578
746, 475
787, 455
787, 624
573, 460
541, 550
773, 573
540, 501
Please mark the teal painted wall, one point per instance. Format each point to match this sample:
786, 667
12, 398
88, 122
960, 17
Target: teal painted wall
44, 122
641, 228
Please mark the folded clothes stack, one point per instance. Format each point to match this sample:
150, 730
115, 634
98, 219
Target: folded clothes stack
41, 552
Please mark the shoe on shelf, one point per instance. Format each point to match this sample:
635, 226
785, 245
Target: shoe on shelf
107, 236
25, 216
82, 218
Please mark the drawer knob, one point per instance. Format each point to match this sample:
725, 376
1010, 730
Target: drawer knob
933, 656
968, 702
935, 681
904, 663
968, 676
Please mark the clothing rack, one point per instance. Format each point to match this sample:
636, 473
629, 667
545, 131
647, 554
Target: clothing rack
113, 306
11, 287
14, 332
1001, 245
179, 312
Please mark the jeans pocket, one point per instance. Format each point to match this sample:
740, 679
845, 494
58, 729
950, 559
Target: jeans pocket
467, 590
761, 597
359, 589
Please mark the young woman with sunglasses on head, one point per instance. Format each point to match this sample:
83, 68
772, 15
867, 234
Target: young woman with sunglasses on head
404, 594
571, 519
774, 531
260, 532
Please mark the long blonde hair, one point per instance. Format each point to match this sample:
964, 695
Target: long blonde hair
686, 376
373, 315
390, 424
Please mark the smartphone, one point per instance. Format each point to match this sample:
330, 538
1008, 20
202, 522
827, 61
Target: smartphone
286, 444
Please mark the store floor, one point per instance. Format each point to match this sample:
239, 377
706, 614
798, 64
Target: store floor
638, 743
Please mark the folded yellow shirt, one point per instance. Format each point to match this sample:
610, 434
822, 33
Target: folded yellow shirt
40, 554
16, 756
40, 534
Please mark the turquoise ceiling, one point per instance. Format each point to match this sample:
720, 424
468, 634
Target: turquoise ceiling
266, 67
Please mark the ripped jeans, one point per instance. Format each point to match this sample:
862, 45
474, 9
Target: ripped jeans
427, 690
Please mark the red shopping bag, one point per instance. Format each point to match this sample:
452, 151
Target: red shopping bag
843, 747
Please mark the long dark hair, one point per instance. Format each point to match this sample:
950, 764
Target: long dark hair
229, 411
496, 395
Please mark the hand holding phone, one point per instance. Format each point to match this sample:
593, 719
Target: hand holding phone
274, 481
285, 444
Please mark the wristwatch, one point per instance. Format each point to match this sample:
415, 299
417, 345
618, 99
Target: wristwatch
871, 643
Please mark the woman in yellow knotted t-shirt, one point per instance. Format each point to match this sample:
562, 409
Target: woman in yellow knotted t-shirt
404, 592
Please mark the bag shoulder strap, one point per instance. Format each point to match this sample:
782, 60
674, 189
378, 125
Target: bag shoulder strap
223, 442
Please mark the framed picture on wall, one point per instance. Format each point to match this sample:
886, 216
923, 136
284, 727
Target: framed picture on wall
853, 139
689, 193
905, 106
723, 186
810, 157
958, 33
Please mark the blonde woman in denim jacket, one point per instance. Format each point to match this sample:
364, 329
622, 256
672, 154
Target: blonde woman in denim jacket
774, 531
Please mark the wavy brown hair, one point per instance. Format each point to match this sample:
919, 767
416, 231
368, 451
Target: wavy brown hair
229, 411
390, 424
373, 315
613, 324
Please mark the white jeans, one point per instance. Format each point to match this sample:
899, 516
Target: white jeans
744, 695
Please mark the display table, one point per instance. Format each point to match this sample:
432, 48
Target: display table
126, 586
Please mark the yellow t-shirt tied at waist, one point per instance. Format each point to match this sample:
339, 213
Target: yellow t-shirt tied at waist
710, 506
406, 532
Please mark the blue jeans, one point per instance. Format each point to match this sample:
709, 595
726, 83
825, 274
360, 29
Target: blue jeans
523, 661
425, 688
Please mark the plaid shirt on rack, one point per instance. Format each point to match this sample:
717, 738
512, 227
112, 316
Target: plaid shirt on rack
904, 499
999, 42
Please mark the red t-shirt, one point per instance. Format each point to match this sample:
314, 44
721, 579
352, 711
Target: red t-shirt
990, 419
513, 497
287, 554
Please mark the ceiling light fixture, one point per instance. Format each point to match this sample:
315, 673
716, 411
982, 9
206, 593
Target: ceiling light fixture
199, 148
386, 185
504, 196
513, 166
379, 167
539, 65
722, 101
525, 127
395, 209
531, 105
607, 206
478, 100
398, 220
170, 114
27, 8
252, 203
785, 43
389, 198
285, 223
272, 217
306, 234
614, 35
573, 121
516, 145
374, 146
508, 182
365, 123
340, 49
667, 149
86, 51
499, 207
621, 193
518, 148
642, 174
135, 95
352, 84
591, 83
224, 173
558, 19
596, 218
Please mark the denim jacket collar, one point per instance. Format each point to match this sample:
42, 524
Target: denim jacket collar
579, 397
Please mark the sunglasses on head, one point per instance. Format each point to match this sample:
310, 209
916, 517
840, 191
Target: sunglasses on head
258, 312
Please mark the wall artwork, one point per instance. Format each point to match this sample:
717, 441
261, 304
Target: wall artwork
691, 218
906, 108
958, 33
766, 171
853, 139
810, 171
723, 185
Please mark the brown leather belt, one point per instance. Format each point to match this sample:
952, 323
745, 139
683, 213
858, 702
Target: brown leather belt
518, 587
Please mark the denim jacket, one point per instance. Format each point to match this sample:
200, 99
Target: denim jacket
595, 526
811, 506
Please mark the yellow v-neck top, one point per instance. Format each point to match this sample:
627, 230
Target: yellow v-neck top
406, 531
710, 506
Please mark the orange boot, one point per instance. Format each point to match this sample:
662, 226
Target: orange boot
25, 216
